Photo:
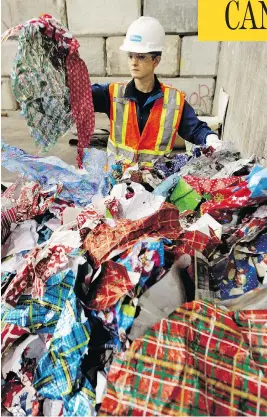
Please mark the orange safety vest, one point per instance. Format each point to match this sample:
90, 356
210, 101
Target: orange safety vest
160, 131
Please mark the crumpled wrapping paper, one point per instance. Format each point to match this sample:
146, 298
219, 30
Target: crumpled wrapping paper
112, 284
102, 241
199, 361
59, 371
51, 82
78, 185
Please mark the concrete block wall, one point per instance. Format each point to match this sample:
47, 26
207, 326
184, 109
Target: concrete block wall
243, 75
15, 12
100, 26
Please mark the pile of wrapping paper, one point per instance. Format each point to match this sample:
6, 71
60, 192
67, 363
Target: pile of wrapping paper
125, 290
133, 290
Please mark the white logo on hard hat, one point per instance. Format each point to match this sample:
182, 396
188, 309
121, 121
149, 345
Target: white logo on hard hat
136, 38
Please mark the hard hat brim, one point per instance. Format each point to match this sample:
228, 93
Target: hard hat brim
138, 49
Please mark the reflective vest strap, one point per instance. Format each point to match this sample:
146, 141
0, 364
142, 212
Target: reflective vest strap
113, 89
180, 98
120, 150
172, 112
125, 122
119, 112
129, 156
162, 119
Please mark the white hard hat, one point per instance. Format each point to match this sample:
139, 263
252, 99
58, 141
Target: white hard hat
144, 35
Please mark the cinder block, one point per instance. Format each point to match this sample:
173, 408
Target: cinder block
199, 91
178, 16
102, 17
169, 64
92, 52
117, 63
8, 52
198, 58
15, 12
7, 100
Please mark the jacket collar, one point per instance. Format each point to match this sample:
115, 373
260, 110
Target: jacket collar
130, 91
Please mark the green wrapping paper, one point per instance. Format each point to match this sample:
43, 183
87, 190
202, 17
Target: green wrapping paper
184, 197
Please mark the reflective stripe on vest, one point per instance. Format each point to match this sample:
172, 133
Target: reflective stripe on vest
159, 133
120, 107
129, 155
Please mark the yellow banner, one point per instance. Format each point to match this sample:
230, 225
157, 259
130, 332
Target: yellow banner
232, 20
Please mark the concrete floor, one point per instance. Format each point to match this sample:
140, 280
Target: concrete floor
15, 132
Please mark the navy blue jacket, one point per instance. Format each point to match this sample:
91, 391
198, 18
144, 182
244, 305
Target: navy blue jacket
190, 129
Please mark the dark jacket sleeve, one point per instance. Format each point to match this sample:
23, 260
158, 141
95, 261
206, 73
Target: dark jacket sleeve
191, 128
101, 98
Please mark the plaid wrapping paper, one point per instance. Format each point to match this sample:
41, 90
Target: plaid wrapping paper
192, 241
201, 360
83, 401
101, 241
41, 316
59, 371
